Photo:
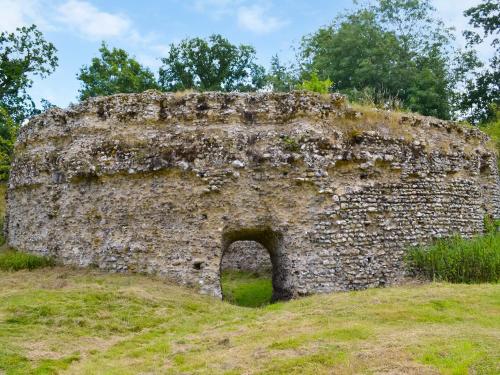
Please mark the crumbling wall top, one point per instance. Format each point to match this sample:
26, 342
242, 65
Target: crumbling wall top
261, 108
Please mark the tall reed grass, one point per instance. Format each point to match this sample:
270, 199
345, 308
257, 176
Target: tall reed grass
458, 260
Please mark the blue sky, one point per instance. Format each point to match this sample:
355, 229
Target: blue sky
146, 28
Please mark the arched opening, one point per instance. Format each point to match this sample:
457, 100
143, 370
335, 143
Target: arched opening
246, 274
253, 265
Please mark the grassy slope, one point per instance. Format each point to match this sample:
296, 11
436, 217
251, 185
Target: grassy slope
86, 322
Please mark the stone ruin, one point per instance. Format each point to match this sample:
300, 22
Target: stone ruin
249, 256
164, 183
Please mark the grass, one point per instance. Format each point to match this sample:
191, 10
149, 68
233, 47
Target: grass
246, 289
493, 130
86, 322
12, 260
459, 260
70, 321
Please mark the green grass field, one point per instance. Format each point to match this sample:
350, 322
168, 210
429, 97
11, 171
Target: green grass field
246, 289
58, 320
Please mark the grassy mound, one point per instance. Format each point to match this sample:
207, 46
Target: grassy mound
459, 260
11, 260
87, 322
246, 288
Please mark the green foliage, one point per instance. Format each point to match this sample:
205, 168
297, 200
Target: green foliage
314, 84
112, 73
291, 144
246, 289
492, 128
459, 260
211, 65
281, 77
491, 225
8, 133
395, 49
23, 54
482, 88
485, 16
14, 261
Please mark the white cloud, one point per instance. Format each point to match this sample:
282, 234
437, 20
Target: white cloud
250, 15
14, 13
91, 22
253, 18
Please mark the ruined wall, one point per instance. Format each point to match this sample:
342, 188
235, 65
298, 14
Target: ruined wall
248, 256
164, 183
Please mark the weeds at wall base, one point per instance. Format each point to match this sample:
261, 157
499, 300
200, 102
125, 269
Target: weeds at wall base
458, 260
12, 260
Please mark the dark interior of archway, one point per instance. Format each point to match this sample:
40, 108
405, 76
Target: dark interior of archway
252, 271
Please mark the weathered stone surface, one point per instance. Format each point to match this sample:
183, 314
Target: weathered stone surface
164, 183
248, 256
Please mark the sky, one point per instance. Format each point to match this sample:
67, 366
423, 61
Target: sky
146, 29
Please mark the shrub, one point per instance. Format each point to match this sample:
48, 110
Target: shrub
458, 260
316, 85
14, 261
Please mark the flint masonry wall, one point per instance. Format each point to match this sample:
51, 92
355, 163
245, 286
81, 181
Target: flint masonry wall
164, 183
246, 256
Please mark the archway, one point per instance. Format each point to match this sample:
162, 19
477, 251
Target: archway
246, 256
257, 239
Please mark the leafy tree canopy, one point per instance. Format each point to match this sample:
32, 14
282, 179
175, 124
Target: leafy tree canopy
281, 78
112, 73
212, 64
393, 48
481, 98
484, 16
23, 54
8, 134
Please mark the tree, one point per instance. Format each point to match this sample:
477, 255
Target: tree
114, 72
394, 49
481, 98
8, 134
23, 54
281, 78
211, 65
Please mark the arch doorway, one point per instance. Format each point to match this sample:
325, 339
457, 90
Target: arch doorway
252, 266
